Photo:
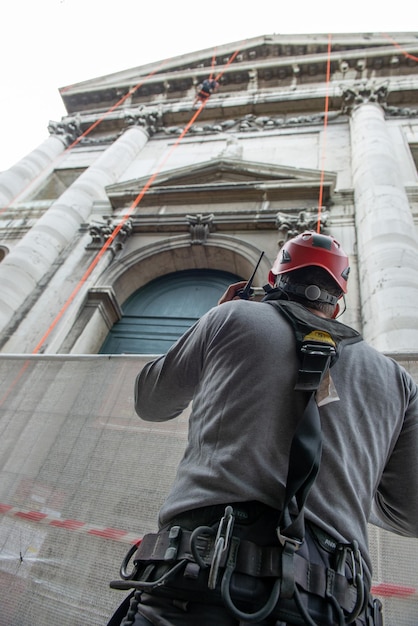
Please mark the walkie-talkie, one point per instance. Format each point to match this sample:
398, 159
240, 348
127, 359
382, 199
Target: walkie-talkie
246, 292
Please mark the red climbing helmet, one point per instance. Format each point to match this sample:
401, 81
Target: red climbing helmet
311, 248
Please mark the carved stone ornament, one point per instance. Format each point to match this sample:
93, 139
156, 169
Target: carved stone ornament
292, 224
101, 231
252, 123
199, 226
68, 129
401, 111
147, 118
363, 93
151, 121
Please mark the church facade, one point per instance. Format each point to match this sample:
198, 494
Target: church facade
303, 133
145, 202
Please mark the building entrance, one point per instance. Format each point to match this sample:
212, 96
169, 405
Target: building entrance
156, 315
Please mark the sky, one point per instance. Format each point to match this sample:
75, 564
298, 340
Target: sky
48, 44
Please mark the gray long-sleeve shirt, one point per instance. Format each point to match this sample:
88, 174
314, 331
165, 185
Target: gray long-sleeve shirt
238, 365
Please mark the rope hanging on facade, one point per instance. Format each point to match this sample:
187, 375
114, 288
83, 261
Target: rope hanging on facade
321, 185
123, 221
141, 194
404, 52
86, 132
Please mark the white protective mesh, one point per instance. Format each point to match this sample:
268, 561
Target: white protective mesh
82, 478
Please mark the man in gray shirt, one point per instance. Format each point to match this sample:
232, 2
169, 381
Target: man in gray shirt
238, 365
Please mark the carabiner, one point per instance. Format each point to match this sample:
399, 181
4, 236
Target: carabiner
352, 551
226, 593
222, 543
123, 573
144, 585
199, 533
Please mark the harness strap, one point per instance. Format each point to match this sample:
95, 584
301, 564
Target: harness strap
304, 460
257, 561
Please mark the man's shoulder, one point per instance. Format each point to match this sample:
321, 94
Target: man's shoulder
244, 311
303, 320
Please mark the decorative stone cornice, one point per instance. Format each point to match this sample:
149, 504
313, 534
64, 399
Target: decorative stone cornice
401, 111
252, 123
243, 124
262, 66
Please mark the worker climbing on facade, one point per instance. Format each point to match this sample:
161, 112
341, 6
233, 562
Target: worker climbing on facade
300, 434
206, 89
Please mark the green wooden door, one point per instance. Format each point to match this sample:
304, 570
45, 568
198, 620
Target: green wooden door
156, 315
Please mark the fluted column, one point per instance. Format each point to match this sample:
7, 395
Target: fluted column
30, 261
16, 179
386, 235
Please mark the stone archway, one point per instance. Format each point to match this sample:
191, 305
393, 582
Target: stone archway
156, 315
104, 305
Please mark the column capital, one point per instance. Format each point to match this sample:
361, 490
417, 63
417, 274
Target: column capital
364, 93
148, 119
68, 129
296, 222
100, 232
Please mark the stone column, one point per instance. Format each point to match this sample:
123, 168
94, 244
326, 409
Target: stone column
31, 260
18, 178
386, 236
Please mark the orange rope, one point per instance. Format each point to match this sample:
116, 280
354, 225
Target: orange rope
232, 58
124, 219
86, 132
404, 52
112, 237
212, 65
321, 186
108, 242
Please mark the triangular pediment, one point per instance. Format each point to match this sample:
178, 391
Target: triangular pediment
222, 180
267, 49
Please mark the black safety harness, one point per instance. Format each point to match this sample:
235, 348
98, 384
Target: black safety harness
176, 552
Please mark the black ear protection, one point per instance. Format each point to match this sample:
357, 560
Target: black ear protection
310, 292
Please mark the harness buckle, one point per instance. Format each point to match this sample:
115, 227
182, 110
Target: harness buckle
292, 541
316, 359
173, 546
222, 543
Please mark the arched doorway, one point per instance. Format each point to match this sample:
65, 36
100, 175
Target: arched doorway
156, 315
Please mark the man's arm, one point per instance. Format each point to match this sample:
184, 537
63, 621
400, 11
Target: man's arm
165, 386
396, 502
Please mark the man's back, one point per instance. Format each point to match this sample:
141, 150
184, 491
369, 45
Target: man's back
239, 362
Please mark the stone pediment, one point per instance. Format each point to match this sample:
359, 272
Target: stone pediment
261, 63
224, 180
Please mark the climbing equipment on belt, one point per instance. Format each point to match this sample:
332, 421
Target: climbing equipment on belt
223, 555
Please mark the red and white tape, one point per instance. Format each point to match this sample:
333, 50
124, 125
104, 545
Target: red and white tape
385, 590
70, 524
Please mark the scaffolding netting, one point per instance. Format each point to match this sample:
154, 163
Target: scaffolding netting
82, 479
